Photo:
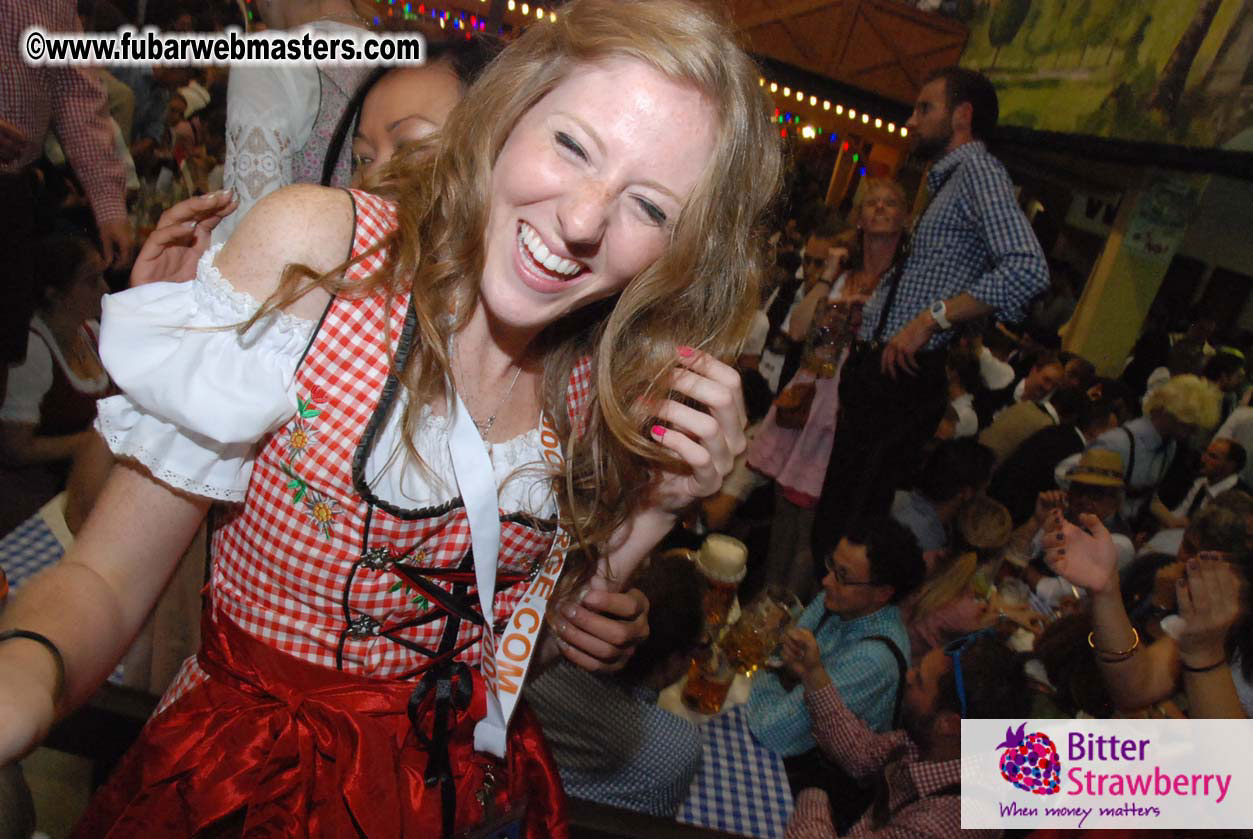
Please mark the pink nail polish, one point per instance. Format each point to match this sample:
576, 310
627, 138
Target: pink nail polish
686, 352
659, 431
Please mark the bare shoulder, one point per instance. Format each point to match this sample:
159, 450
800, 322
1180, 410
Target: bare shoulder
297, 225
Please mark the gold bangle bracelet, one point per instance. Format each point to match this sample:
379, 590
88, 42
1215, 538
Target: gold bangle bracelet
1114, 656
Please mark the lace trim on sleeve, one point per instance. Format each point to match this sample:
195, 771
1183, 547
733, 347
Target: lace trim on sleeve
231, 307
125, 447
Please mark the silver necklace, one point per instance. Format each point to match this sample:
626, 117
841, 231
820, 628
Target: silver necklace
486, 426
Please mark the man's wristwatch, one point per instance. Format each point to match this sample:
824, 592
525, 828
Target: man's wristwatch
939, 313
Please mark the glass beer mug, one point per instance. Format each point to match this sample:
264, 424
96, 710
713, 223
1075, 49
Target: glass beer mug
753, 638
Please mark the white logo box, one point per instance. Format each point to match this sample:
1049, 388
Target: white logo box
1145, 774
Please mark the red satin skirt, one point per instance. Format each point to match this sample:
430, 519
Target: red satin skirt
271, 746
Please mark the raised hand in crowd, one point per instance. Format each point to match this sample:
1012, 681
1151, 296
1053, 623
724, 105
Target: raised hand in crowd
180, 238
1046, 502
1019, 614
1209, 598
837, 258
1208, 594
1210, 602
1084, 555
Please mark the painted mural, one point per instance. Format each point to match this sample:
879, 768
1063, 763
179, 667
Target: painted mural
1175, 71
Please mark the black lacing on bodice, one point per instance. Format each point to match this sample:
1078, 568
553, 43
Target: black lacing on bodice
452, 595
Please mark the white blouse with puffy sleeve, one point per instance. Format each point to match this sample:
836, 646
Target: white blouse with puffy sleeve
197, 397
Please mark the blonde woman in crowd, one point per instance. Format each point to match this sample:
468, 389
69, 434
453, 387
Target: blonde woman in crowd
794, 450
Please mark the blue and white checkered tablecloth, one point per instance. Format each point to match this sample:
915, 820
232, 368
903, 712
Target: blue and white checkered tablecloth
27, 549
742, 786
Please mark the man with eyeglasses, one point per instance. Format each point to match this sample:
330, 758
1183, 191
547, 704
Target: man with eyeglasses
859, 632
915, 770
781, 356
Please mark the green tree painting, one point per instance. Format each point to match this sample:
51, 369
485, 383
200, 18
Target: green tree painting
1177, 71
1007, 18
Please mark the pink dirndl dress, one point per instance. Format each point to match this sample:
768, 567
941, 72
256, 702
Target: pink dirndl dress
796, 458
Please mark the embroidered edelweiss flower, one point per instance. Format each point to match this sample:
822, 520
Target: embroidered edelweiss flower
299, 439
322, 510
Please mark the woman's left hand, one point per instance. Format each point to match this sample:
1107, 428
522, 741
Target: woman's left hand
709, 441
173, 249
600, 632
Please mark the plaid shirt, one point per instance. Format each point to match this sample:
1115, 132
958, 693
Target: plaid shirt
916, 811
973, 239
68, 100
644, 760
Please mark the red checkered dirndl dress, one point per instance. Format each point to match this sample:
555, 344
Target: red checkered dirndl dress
337, 687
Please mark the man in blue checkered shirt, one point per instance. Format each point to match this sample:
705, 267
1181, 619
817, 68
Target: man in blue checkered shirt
973, 254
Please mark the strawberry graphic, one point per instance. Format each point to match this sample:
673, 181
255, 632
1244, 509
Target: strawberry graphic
1030, 762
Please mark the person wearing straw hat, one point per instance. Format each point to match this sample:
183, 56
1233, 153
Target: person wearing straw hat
1094, 486
1173, 413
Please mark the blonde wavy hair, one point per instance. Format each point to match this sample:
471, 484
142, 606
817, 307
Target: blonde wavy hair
701, 292
852, 238
1189, 399
945, 584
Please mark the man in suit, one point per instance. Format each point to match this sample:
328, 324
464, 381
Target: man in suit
1221, 464
1045, 374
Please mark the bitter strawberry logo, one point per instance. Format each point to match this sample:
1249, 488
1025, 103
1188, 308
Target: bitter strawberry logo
1030, 762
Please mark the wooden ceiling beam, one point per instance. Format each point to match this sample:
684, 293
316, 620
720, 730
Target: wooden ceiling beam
897, 43
893, 49
782, 13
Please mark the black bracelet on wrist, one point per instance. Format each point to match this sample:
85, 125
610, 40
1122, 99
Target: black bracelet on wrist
10, 634
1204, 669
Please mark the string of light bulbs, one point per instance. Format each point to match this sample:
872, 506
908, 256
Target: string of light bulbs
810, 132
463, 20
455, 18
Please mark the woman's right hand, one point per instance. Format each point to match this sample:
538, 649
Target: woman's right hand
171, 251
1085, 556
1209, 597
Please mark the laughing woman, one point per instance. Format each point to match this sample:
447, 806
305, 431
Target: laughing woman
515, 349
